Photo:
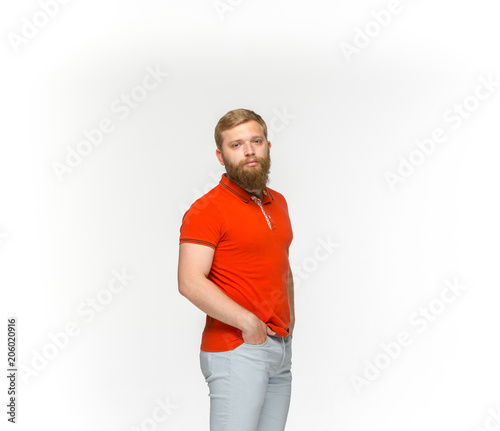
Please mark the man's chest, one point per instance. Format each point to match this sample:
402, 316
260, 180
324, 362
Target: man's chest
255, 228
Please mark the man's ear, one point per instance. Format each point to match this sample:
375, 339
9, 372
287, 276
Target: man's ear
269, 145
218, 154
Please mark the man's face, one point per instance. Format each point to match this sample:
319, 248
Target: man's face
245, 154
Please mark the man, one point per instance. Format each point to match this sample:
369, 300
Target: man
233, 265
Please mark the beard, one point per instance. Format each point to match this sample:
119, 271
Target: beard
251, 178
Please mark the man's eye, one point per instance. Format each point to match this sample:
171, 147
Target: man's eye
258, 141
235, 145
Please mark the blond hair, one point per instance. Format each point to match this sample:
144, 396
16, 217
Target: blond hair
235, 118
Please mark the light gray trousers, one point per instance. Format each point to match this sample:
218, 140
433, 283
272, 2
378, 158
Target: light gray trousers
250, 386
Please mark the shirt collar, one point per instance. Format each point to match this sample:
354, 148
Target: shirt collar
225, 182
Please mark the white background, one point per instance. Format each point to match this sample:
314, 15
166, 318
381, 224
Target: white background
350, 120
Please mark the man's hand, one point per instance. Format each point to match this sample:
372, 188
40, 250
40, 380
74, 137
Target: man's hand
256, 331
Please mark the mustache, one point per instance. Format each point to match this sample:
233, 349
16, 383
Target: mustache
251, 159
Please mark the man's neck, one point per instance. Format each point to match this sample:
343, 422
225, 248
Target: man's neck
257, 193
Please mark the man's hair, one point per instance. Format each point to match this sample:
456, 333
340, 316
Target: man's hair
235, 118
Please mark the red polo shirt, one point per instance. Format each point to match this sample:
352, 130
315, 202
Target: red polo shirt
250, 265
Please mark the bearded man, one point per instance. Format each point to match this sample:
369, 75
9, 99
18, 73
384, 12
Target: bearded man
233, 265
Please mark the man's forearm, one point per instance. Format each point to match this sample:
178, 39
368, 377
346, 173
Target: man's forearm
212, 301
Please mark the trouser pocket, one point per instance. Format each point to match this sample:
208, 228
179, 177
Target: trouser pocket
206, 363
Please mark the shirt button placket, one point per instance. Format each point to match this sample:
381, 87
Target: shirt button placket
267, 217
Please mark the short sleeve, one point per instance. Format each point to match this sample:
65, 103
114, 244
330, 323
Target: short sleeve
202, 224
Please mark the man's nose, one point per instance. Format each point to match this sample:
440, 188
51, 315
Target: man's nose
249, 149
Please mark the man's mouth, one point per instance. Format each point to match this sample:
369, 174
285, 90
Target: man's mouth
252, 163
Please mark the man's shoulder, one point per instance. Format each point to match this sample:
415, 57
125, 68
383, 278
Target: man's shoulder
207, 203
213, 196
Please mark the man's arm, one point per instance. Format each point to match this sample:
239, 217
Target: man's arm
195, 261
291, 301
